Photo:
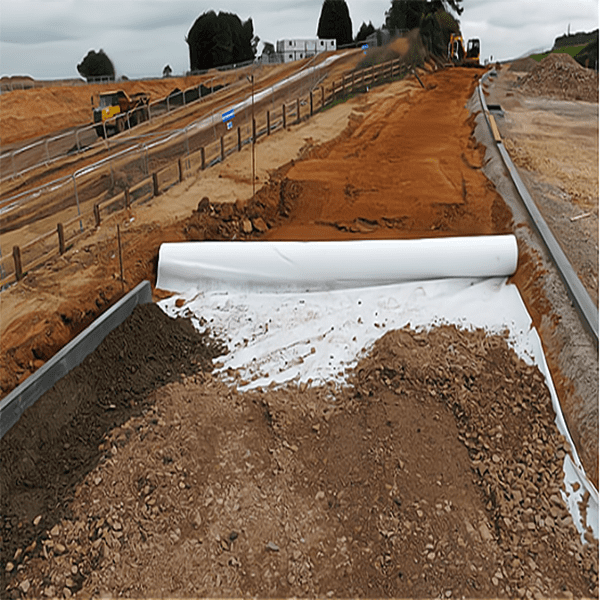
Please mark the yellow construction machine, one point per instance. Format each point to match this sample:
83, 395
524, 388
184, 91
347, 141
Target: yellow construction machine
461, 57
118, 111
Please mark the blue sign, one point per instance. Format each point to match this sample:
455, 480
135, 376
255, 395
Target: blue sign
227, 116
365, 46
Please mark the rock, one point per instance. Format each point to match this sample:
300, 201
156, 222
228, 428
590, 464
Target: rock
273, 547
431, 556
37, 520
246, 226
179, 302
320, 495
485, 534
59, 549
24, 586
260, 225
203, 205
67, 593
9, 567
50, 591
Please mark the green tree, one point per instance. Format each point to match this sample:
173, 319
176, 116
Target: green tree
96, 64
434, 21
335, 22
364, 32
407, 14
216, 40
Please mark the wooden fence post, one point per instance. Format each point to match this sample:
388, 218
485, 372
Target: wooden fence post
284, 124
180, 169
18, 263
127, 198
222, 149
343, 85
268, 122
61, 238
297, 110
311, 103
155, 188
202, 158
254, 130
97, 214
322, 96
239, 139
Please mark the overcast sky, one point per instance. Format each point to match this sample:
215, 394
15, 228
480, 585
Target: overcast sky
48, 38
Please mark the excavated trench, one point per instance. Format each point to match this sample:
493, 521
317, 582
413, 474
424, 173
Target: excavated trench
422, 476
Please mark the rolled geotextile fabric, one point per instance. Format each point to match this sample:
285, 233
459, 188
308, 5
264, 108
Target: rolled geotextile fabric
331, 265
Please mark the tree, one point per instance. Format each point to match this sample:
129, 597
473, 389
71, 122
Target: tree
406, 14
167, 71
335, 22
434, 22
216, 40
364, 32
96, 64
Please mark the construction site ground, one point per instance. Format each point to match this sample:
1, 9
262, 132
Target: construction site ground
421, 477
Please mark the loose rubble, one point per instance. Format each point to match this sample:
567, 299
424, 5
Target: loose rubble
435, 471
560, 76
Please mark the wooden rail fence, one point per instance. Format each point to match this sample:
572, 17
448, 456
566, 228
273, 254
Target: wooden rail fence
153, 185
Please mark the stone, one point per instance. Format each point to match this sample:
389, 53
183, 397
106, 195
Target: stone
24, 586
59, 549
260, 225
9, 567
203, 205
485, 534
320, 495
246, 226
37, 520
273, 547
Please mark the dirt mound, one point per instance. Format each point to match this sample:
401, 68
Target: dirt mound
523, 65
559, 76
434, 472
56, 441
408, 48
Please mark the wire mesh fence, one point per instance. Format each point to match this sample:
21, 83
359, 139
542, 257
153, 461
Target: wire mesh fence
79, 203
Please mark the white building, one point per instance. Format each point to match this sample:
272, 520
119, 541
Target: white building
289, 50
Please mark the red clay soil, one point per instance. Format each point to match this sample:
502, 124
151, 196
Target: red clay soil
408, 169
424, 166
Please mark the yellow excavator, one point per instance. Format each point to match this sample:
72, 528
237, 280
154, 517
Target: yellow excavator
461, 57
118, 111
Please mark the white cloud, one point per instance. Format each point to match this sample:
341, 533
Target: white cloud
47, 38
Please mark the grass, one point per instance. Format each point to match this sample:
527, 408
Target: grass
571, 50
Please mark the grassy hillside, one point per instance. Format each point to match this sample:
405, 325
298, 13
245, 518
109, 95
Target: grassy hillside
572, 50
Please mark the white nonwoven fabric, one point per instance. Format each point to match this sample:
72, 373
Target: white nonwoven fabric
294, 311
331, 265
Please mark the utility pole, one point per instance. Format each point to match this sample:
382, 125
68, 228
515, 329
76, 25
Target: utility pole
250, 78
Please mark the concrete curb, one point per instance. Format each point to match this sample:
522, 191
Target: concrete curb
577, 292
26, 394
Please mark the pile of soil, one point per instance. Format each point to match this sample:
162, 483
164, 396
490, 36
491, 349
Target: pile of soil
560, 76
59, 439
434, 472
523, 65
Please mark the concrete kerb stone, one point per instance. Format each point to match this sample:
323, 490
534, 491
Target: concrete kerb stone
567, 344
26, 394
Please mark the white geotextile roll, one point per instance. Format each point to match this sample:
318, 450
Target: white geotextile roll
331, 265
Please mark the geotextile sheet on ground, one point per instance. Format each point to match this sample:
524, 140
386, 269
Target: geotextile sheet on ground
331, 305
